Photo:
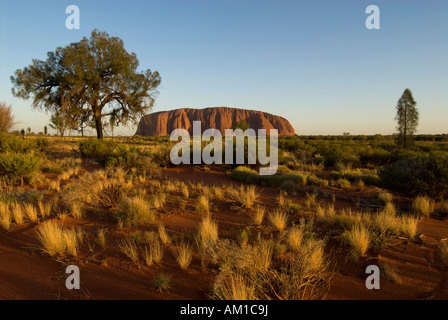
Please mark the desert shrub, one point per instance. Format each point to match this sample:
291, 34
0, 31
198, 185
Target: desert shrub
248, 175
41, 143
106, 189
136, 211
19, 165
335, 153
161, 155
313, 180
13, 144
376, 155
418, 175
342, 183
97, 149
357, 175
289, 187
130, 158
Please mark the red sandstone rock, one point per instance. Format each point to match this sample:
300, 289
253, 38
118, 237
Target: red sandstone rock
164, 122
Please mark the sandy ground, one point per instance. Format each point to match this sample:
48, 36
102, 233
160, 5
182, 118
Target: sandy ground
414, 269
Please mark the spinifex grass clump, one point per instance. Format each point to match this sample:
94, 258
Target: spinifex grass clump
129, 248
162, 282
208, 231
245, 197
359, 239
278, 219
203, 204
30, 211
5, 216
258, 215
183, 255
136, 211
423, 206
56, 239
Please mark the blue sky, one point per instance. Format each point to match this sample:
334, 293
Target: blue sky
312, 62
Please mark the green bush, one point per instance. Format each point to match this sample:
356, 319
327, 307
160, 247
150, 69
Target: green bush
342, 183
19, 165
289, 187
316, 181
339, 153
250, 176
369, 178
11, 143
97, 149
425, 174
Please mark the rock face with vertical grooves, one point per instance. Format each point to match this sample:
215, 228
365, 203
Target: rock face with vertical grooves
164, 122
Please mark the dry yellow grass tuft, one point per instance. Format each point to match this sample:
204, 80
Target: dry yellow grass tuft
423, 206
258, 215
359, 239
54, 185
5, 216
44, 208
183, 255
278, 219
56, 239
136, 211
385, 196
30, 211
208, 231
163, 235
245, 197
129, 248
234, 287
203, 204
17, 213
295, 236
76, 210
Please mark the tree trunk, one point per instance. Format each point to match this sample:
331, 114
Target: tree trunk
405, 129
99, 127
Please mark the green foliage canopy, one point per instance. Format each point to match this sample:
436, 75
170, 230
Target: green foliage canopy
94, 77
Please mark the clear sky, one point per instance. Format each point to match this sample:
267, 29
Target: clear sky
313, 62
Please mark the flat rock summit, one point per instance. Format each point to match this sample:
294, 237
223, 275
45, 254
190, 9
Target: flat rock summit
164, 122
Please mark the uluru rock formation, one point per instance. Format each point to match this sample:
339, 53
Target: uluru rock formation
164, 122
